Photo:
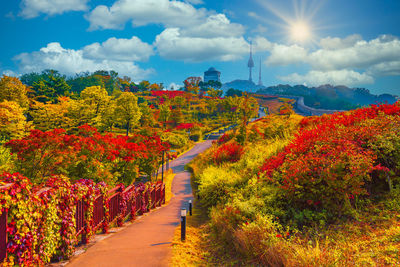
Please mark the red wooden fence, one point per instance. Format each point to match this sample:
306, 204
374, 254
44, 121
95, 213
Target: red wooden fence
138, 201
3, 228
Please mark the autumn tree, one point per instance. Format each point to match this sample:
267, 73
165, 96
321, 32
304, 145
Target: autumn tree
144, 86
215, 92
165, 113
127, 110
192, 84
108, 116
12, 89
96, 97
147, 118
109, 79
48, 116
13, 123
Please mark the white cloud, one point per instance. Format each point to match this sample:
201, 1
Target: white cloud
215, 26
119, 49
172, 45
70, 61
143, 12
348, 61
194, 22
261, 44
335, 43
336, 77
9, 73
363, 54
174, 86
391, 68
285, 55
33, 8
260, 29
338, 54
195, 2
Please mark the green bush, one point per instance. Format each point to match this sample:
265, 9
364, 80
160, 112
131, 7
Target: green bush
196, 135
176, 140
216, 185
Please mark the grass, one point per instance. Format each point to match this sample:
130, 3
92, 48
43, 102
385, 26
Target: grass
168, 178
371, 241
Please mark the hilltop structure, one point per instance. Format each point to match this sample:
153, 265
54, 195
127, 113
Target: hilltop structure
250, 63
212, 75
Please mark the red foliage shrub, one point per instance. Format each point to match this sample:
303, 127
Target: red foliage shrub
88, 154
225, 138
228, 152
331, 158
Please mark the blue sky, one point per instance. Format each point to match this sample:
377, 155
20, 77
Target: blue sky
313, 42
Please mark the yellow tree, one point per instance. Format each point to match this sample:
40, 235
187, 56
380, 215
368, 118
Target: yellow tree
96, 97
12, 89
127, 110
107, 117
13, 123
48, 116
94, 100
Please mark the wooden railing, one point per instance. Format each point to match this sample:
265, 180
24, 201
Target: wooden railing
137, 202
3, 228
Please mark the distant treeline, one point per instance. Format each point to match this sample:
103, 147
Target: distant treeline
331, 97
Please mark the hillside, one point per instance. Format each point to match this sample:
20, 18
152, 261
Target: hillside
330, 97
293, 191
243, 85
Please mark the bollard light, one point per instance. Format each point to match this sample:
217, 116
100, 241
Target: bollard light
183, 224
190, 207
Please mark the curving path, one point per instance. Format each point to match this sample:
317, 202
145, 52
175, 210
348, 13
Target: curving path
146, 242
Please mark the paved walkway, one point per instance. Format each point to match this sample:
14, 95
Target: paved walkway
146, 242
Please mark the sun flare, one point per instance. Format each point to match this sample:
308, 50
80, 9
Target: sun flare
300, 31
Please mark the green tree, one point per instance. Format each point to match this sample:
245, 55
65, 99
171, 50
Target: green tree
51, 86
233, 92
84, 80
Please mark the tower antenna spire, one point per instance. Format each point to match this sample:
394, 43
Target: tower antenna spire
250, 63
259, 77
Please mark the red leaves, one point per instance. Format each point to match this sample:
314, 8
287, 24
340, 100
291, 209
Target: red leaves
331, 158
54, 152
225, 138
163, 95
228, 152
185, 126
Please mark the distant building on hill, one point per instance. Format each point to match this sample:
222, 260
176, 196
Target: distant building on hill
212, 75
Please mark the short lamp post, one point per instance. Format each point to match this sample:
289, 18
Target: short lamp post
183, 225
190, 207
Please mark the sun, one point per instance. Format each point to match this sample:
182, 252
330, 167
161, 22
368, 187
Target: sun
297, 27
300, 32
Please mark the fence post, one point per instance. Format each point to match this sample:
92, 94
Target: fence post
3, 235
163, 193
